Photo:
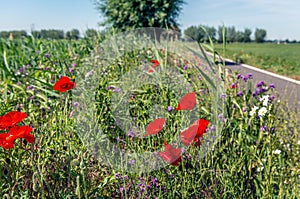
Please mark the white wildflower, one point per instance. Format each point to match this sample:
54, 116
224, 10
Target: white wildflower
259, 169
253, 111
262, 111
298, 142
277, 152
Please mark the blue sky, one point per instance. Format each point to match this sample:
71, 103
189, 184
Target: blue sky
278, 17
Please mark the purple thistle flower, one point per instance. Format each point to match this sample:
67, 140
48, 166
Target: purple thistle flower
244, 109
185, 67
73, 65
249, 76
240, 93
271, 86
121, 189
170, 108
239, 76
245, 78
47, 55
272, 97
253, 94
260, 84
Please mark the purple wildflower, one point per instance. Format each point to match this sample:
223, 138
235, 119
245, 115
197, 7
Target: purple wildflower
260, 84
71, 70
29, 87
73, 65
76, 104
271, 86
47, 55
170, 108
89, 73
118, 176
185, 67
245, 78
240, 93
249, 76
222, 96
244, 109
263, 128
116, 90
239, 76
130, 133
131, 162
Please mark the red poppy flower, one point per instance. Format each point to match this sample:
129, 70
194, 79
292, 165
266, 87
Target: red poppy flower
20, 132
4, 143
63, 84
170, 155
195, 131
187, 102
11, 118
155, 126
155, 63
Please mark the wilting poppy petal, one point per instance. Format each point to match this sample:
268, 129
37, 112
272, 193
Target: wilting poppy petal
10, 119
170, 155
155, 126
20, 132
63, 84
187, 102
195, 131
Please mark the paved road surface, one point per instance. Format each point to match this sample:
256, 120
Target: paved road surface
288, 89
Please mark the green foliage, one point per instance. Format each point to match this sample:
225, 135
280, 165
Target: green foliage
260, 35
15, 34
91, 33
73, 34
198, 34
132, 14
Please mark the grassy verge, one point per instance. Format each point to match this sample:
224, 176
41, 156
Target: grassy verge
255, 157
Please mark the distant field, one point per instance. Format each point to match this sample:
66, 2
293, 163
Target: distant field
282, 59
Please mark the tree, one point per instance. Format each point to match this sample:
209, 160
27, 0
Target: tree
260, 35
193, 33
239, 36
73, 34
132, 14
230, 35
247, 35
91, 33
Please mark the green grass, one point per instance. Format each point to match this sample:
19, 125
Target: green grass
282, 59
59, 165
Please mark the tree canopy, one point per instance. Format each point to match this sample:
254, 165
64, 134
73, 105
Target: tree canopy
131, 14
